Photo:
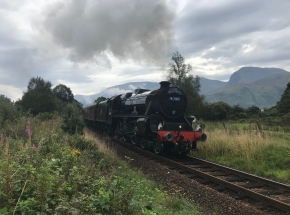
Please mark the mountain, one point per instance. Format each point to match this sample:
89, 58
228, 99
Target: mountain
248, 75
208, 85
248, 86
261, 93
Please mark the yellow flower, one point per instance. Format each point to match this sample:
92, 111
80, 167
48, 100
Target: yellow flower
76, 153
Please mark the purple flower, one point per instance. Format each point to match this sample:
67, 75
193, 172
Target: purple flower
65, 139
28, 131
28, 123
34, 148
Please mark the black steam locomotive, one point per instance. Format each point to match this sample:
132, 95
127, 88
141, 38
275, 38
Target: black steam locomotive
151, 119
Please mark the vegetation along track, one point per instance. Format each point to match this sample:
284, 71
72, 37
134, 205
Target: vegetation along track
241, 185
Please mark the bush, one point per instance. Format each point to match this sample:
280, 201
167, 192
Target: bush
8, 110
286, 118
47, 116
72, 119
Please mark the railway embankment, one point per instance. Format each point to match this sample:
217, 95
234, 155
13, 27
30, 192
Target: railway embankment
44, 170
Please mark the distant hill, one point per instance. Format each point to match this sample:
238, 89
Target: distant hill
262, 93
248, 86
208, 85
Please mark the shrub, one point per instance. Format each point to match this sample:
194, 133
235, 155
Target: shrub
72, 119
8, 110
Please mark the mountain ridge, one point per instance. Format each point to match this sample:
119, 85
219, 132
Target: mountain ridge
248, 86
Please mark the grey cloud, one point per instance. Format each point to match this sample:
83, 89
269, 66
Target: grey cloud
15, 66
138, 30
201, 27
18, 65
131, 72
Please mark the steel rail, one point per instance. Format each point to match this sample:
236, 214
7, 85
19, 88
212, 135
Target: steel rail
254, 195
249, 176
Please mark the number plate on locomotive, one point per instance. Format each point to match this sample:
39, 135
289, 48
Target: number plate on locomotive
174, 98
174, 90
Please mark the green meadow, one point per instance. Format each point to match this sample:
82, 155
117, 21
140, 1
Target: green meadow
242, 145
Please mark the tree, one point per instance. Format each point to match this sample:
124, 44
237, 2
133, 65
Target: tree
63, 93
283, 106
39, 97
179, 77
8, 110
253, 111
99, 99
219, 110
73, 121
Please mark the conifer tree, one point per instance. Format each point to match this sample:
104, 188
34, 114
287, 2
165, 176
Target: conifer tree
283, 106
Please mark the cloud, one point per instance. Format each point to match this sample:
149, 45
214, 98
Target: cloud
133, 87
10, 92
115, 91
243, 33
138, 30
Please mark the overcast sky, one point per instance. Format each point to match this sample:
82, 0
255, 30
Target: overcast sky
90, 45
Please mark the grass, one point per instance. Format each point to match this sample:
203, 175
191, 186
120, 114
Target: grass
46, 171
243, 147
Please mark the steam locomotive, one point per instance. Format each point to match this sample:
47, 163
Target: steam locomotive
153, 120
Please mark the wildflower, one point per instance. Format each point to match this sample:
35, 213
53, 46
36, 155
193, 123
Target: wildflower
65, 139
76, 153
35, 148
28, 131
28, 123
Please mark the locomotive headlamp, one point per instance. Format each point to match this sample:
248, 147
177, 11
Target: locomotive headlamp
202, 137
180, 126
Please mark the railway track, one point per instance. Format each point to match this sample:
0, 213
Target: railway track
242, 185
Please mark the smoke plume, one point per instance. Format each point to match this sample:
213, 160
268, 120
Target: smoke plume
140, 30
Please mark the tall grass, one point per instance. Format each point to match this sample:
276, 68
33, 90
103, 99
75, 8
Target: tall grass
242, 146
46, 171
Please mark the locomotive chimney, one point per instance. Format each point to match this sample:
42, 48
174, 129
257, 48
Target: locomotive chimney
164, 84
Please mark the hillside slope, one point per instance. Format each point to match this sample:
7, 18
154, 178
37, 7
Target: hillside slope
248, 75
262, 93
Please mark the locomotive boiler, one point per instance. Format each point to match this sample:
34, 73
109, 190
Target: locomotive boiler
154, 120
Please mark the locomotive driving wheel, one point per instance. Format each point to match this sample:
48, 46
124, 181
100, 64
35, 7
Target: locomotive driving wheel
143, 144
117, 132
134, 140
158, 146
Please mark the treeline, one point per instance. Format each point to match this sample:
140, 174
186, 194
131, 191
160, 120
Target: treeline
41, 100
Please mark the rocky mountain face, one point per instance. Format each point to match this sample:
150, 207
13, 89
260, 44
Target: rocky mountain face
248, 86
